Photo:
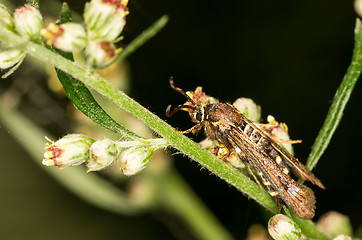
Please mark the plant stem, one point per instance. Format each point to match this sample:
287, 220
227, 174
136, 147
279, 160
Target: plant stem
90, 187
181, 200
340, 100
142, 39
180, 142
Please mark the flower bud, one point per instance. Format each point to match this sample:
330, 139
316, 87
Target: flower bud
135, 159
5, 18
248, 108
342, 237
280, 227
280, 131
358, 7
68, 37
333, 224
10, 57
103, 153
105, 19
99, 53
71, 150
28, 22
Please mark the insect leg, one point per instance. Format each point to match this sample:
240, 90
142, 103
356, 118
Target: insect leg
247, 165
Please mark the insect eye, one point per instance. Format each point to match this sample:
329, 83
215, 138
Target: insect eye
198, 116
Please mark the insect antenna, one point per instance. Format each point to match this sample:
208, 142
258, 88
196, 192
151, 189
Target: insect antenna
170, 113
181, 91
192, 107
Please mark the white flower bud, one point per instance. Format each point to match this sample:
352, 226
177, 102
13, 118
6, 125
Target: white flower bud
135, 159
333, 224
342, 237
71, 150
358, 7
280, 131
99, 53
10, 57
28, 22
105, 19
248, 108
68, 37
280, 227
103, 153
5, 17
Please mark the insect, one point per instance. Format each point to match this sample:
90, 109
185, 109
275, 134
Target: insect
256, 149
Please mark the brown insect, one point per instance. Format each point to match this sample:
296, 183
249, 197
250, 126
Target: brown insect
224, 123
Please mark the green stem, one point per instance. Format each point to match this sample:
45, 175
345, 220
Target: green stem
309, 229
340, 100
90, 187
142, 39
180, 142
182, 201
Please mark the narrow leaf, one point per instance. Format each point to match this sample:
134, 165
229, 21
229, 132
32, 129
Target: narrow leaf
82, 98
340, 100
65, 14
141, 39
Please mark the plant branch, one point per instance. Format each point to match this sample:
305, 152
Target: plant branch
339, 102
180, 142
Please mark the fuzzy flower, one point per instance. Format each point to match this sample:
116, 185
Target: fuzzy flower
334, 224
248, 108
5, 18
281, 227
100, 53
105, 19
103, 153
28, 22
71, 150
10, 57
135, 159
68, 37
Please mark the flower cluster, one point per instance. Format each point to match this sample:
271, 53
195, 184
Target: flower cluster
77, 149
104, 21
27, 22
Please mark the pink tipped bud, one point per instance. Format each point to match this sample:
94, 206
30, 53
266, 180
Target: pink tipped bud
280, 227
68, 37
71, 150
100, 53
105, 19
28, 22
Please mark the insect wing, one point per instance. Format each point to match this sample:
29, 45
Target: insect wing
296, 196
298, 168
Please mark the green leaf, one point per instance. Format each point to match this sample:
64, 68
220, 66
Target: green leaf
339, 102
82, 98
33, 3
65, 14
80, 95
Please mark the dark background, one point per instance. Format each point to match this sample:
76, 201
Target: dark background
289, 56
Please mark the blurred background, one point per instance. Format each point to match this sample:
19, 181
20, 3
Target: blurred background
288, 56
